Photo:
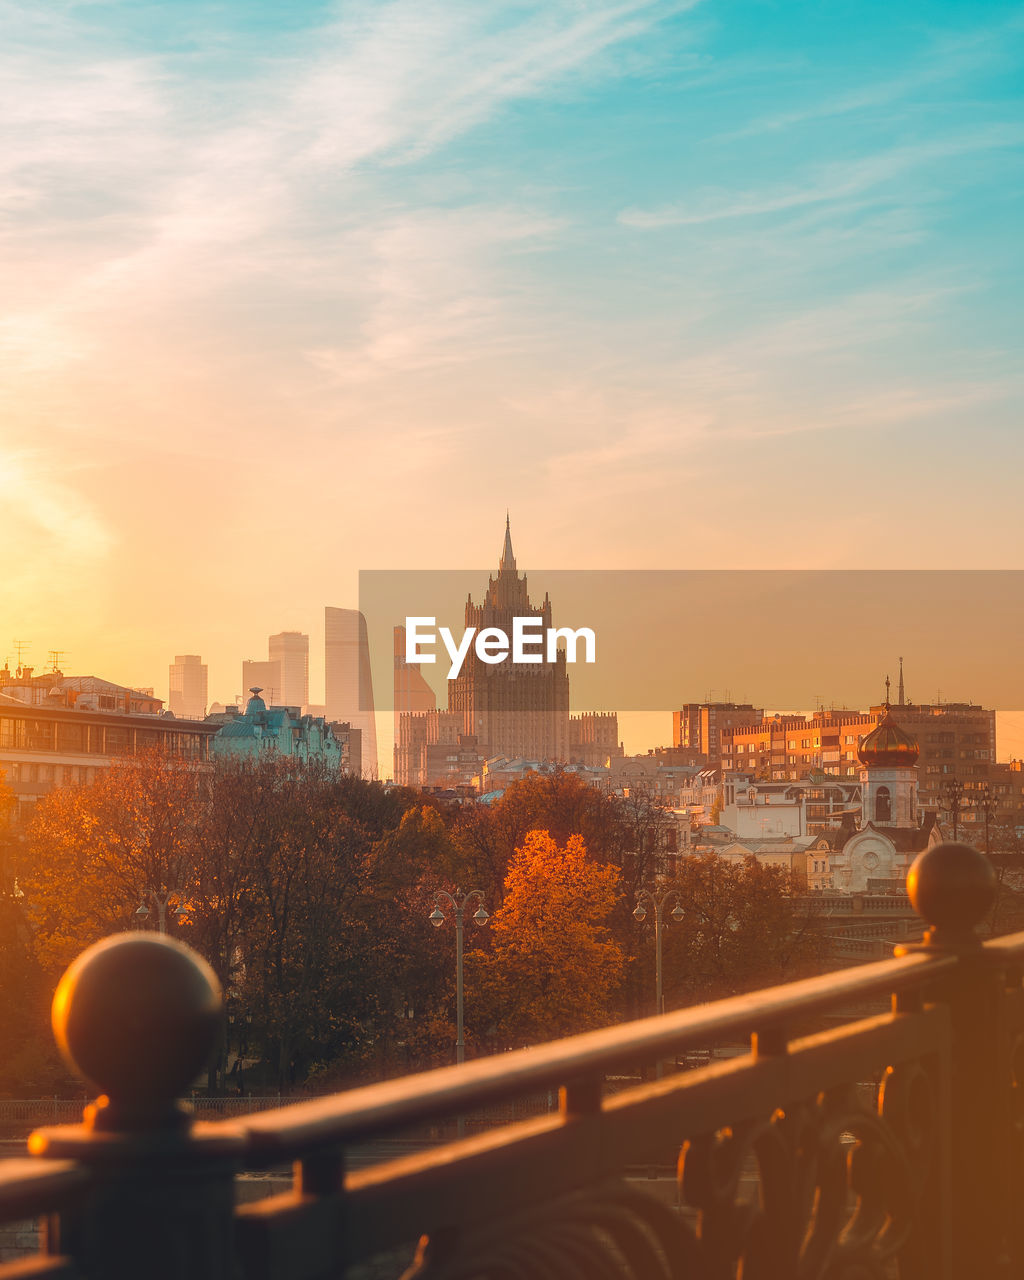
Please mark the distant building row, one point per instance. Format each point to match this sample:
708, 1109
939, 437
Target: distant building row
284, 677
58, 730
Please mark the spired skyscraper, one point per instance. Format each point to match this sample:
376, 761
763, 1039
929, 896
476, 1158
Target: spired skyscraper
348, 684
512, 709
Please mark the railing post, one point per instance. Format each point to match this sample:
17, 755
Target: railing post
952, 887
137, 1016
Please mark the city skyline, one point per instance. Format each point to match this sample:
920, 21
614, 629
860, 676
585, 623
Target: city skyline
351, 659
292, 296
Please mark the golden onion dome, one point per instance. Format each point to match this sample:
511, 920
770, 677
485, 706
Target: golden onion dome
888, 746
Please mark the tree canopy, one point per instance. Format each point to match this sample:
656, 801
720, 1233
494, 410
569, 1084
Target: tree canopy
553, 966
310, 894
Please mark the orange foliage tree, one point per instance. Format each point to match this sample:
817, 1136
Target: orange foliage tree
28, 1064
741, 929
92, 853
553, 966
302, 888
485, 837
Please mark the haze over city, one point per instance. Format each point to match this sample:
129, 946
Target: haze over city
293, 294
511, 710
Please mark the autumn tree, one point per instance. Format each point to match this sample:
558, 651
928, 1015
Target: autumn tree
304, 889
284, 872
485, 837
740, 930
1007, 858
553, 967
93, 854
644, 821
28, 1063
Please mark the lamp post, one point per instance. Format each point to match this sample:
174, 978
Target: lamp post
648, 898
953, 790
987, 803
479, 918
161, 897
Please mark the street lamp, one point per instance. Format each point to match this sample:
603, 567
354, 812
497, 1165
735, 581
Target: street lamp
988, 804
953, 790
437, 919
161, 897
659, 902
648, 898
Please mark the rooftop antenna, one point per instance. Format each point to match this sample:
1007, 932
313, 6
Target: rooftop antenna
56, 657
22, 648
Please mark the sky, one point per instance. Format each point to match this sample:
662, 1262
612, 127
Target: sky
294, 291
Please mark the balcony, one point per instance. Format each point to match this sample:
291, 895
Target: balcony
886, 1144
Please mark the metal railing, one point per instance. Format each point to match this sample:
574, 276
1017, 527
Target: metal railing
784, 1169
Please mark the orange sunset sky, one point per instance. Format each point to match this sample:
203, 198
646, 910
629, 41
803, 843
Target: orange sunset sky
292, 294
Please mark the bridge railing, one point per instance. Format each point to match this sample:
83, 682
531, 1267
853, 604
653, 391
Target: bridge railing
887, 1144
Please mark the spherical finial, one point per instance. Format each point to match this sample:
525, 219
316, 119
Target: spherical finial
137, 1016
952, 887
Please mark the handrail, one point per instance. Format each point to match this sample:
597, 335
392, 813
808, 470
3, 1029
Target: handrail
933, 1177
29, 1187
398, 1104
1008, 947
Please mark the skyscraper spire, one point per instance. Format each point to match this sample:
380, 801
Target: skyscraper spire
508, 560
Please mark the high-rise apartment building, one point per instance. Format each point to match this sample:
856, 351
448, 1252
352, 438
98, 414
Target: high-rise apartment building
348, 692
188, 686
700, 725
291, 650
956, 741
784, 747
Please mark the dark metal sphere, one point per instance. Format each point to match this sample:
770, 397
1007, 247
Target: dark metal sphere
137, 1016
952, 886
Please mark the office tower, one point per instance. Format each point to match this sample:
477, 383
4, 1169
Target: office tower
348, 693
291, 650
265, 676
188, 686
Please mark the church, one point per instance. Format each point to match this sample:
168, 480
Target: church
892, 830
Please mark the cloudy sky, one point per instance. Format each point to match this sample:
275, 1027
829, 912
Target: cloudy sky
294, 290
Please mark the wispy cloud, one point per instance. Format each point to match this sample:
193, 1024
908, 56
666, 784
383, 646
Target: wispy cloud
948, 58
826, 184
149, 187
435, 292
